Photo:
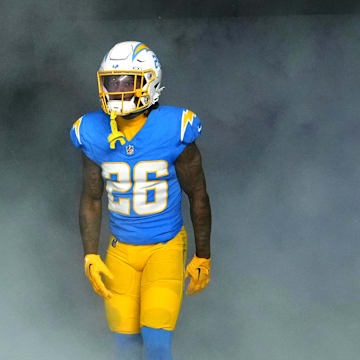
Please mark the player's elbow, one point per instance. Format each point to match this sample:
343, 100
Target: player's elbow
199, 195
89, 203
91, 193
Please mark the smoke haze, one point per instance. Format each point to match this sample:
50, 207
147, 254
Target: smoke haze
279, 100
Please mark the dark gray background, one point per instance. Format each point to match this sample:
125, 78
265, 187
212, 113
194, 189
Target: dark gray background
279, 99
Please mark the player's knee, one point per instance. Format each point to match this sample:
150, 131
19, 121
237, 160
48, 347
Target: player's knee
160, 306
157, 318
157, 343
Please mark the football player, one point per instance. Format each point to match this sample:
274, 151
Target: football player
145, 155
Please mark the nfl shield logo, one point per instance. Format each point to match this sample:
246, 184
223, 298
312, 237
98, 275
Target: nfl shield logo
130, 150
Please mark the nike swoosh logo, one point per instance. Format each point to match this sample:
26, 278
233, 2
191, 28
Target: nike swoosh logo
199, 128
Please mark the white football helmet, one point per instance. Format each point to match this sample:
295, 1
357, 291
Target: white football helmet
129, 78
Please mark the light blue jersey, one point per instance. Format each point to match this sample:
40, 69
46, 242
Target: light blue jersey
144, 195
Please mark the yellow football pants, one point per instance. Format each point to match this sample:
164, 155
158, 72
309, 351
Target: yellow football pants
147, 285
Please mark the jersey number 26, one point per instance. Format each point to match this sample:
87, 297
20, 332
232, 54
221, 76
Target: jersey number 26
118, 176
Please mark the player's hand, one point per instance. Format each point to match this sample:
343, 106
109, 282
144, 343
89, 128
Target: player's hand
199, 271
94, 266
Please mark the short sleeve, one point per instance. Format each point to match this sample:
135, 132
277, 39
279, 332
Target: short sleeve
80, 138
191, 127
75, 133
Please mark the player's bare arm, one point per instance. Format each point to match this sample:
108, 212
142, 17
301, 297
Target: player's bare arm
192, 180
90, 206
90, 224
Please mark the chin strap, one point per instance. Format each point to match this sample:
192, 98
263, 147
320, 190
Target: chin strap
115, 135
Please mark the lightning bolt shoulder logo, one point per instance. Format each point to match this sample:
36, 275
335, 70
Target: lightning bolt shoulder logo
187, 117
76, 126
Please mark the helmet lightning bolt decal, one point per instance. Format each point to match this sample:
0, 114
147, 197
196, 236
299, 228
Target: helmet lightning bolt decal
76, 126
187, 117
139, 48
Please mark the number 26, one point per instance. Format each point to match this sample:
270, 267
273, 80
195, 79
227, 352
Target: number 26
118, 176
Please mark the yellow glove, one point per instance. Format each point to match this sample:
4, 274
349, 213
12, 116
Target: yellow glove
199, 271
94, 266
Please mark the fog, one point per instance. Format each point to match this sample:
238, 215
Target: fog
278, 97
